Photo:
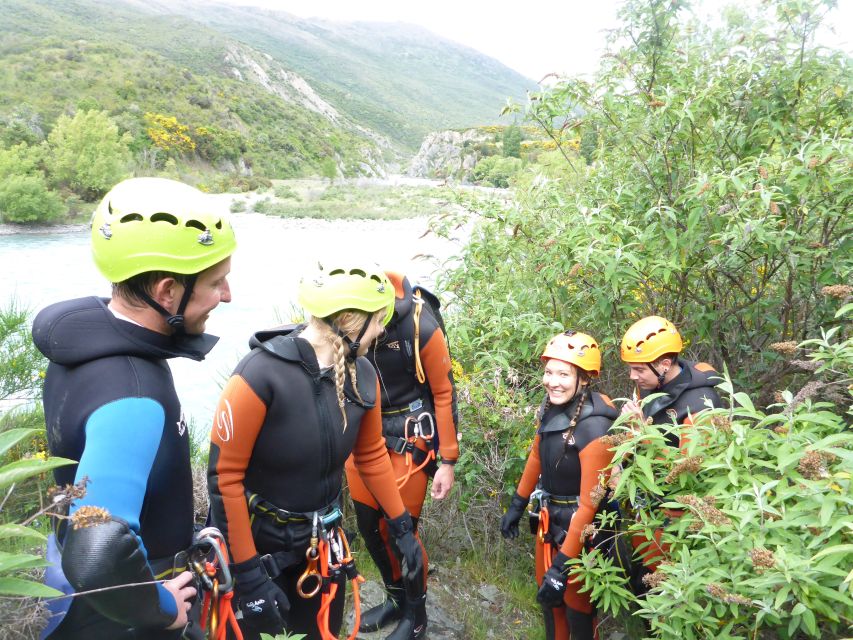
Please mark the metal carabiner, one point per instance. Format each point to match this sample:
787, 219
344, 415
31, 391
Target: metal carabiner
419, 429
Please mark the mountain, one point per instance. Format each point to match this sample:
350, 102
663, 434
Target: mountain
252, 88
398, 79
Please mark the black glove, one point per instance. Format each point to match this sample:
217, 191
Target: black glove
509, 523
554, 582
402, 529
262, 602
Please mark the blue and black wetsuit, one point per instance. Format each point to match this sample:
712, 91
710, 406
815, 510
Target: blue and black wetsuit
110, 403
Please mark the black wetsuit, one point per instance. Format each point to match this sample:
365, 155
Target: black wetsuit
110, 403
686, 395
279, 443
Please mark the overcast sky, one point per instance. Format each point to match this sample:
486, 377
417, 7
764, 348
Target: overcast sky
534, 38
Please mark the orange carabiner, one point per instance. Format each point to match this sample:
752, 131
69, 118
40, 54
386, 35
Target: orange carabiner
312, 571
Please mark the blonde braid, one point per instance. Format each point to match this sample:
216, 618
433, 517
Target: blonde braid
352, 374
340, 365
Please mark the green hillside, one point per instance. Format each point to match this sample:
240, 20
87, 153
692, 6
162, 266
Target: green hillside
60, 57
397, 79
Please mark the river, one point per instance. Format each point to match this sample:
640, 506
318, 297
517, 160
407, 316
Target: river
44, 267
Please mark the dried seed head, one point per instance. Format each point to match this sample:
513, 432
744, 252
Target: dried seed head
808, 390
812, 466
654, 579
597, 494
89, 516
704, 188
722, 423
615, 439
816, 245
813, 162
762, 172
782, 430
689, 465
806, 365
786, 348
576, 267
762, 558
717, 591
588, 532
838, 291
774, 208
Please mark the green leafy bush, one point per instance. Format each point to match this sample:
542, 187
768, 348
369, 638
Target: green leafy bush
28, 199
88, 154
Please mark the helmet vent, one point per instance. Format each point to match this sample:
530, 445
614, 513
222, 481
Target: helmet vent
132, 217
336, 272
195, 224
164, 217
358, 272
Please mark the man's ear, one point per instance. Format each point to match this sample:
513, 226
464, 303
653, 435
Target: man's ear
166, 292
665, 363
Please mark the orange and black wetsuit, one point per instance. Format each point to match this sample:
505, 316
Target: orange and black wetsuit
278, 447
405, 403
567, 465
685, 395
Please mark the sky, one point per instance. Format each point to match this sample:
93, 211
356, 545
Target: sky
536, 39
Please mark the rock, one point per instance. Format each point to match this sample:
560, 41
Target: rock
490, 593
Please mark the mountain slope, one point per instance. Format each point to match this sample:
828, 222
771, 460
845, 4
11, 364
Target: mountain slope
398, 79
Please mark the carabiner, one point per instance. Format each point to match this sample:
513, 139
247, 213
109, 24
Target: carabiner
311, 571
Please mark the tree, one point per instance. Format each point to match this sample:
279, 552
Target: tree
88, 154
28, 199
329, 169
512, 142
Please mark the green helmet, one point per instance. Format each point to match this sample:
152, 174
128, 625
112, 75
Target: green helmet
154, 224
339, 288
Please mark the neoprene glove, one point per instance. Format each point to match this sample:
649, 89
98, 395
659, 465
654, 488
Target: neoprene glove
509, 523
402, 529
262, 602
554, 582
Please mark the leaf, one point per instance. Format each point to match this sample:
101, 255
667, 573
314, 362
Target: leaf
744, 401
11, 437
11, 561
21, 587
27, 468
839, 548
19, 531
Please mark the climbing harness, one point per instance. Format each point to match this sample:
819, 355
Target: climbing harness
328, 559
420, 427
336, 565
549, 543
207, 558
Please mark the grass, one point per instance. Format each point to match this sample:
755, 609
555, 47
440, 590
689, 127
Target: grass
319, 199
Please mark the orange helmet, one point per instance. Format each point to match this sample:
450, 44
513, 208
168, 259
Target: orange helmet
649, 339
575, 348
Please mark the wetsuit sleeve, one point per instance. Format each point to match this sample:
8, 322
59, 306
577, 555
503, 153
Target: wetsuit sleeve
373, 463
239, 418
435, 357
593, 459
122, 440
532, 470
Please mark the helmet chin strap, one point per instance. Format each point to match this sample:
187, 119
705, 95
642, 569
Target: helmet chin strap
352, 344
176, 320
660, 376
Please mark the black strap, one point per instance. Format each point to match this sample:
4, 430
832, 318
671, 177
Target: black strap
276, 563
176, 320
401, 446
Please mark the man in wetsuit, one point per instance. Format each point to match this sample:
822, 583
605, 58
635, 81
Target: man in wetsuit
110, 403
418, 417
651, 348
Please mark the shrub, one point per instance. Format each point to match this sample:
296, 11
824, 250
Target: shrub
26, 199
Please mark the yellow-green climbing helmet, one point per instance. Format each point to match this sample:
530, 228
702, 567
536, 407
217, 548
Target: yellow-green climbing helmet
155, 224
351, 287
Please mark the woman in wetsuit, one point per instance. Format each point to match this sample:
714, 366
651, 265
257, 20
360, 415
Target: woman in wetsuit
294, 409
566, 459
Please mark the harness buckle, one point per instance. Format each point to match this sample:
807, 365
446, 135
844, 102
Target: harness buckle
400, 446
416, 405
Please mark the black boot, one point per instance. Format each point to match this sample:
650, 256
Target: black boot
413, 626
382, 614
